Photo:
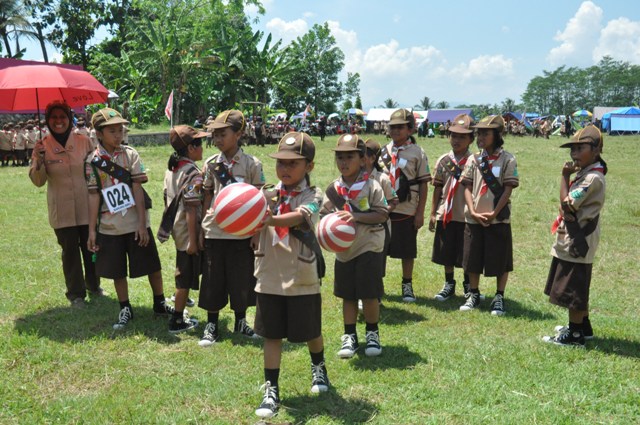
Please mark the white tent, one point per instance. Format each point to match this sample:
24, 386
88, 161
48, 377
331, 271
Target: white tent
379, 114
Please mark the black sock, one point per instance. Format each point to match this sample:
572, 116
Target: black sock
272, 376
240, 316
474, 290
500, 293
158, 299
177, 315
575, 327
406, 279
317, 358
466, 277
350, 329
213, 317
124, 304
373, 327
448, 277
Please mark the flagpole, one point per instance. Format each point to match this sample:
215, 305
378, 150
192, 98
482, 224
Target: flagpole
171, 108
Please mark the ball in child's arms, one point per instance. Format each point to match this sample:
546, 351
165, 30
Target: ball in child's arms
335, 234
240, 209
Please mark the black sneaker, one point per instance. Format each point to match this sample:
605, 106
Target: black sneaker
349, 346
566, 338
243, 328
123, 318
373, 347
210, 335
181, 325
407, 293
447, 291
190, 302
587, 330
497, 305
319, 378
473, 301
270, 402
163, 309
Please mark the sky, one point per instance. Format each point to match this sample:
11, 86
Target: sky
462, 52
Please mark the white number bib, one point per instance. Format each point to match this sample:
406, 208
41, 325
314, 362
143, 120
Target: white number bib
118, 198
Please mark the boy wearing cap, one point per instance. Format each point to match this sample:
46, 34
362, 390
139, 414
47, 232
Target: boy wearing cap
227, 274
577, 231
289, 266
488, 179
6, 144
20, 144
408, 169
358, 271
183, 214
118, 218
447, 206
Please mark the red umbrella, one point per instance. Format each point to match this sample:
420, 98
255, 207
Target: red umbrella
25, 87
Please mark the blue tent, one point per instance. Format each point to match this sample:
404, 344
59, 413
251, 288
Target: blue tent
622, 120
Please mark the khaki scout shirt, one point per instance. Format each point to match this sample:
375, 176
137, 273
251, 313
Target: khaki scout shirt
245, 169
585, 199
187, 179
62, 168
414, 164
289, 269
444, 179
369, 237
20, 140
504, 168
128, 158
6, 140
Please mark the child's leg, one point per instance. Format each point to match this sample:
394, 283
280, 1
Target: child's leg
181, 298
273, 355
474, 280
122, 289
155, 280
501, 282
350, 311
371, 309
316, 345
407, 268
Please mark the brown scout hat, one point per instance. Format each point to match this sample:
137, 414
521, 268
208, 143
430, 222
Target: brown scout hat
462, 124
590, 134
373, 145
105, 117
402, 116
182, 136
230, 118
350, 143
295, 145
491, 121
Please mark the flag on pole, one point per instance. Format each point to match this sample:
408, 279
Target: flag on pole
307, 111
168, 110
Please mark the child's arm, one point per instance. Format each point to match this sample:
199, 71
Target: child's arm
423, 191
468, 198
94, 206
369, 217
437, 194
567, 169
142, 235
502, 202
289, 219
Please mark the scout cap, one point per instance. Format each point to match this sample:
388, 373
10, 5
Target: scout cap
402, 116
231, 118
350, 143
373, 145
295, 145
590, 134
491, 121
182, 136
461, 124
105, 117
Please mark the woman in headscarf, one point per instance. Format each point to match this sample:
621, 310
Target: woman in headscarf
58, 160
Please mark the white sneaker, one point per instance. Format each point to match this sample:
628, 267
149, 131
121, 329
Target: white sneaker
349, 346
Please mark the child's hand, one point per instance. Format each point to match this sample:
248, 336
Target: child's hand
432, 223
346, 216
569, 168
142, 236
91, 242
418, 221
481, 219
192, 248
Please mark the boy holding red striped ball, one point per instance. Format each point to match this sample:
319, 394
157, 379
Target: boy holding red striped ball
358, 270
227, 271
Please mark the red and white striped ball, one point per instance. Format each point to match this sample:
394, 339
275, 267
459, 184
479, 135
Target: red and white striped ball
335, 234
240, 209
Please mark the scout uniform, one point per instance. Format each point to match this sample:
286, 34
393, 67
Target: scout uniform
20, 146
6, 146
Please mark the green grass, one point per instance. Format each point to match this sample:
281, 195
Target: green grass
438, 365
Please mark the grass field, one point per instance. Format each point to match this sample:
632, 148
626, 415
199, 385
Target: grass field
438, 365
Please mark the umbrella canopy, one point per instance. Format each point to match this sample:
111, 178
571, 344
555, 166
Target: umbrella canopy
582, 113
356, 111
25, 87
333, 115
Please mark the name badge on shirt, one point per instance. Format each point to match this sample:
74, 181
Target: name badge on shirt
496, 171
402, 162
118, 198
363, 205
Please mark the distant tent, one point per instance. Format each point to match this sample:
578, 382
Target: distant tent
444, 115
623, 120
599, 111
379, 114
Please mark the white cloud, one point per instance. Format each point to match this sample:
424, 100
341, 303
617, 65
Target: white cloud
484, 67
578, 38
620, 39
287, 31
347, 40
308, 15
252, 10
385, 60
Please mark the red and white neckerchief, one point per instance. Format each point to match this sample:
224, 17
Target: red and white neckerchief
227, 163
453, 188
181, 163
284, 206
559, 219
490, 159
351, 193
394, 169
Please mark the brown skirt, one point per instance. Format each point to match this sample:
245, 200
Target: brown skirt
568, 284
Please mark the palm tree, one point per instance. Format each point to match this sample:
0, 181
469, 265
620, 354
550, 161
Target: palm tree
12, 21
443, 104
389, 103
508, 105
425, 104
